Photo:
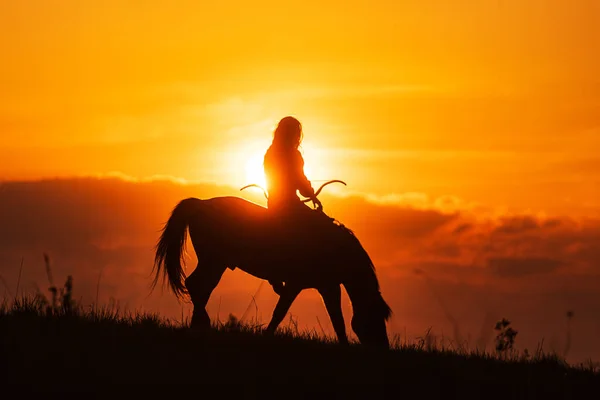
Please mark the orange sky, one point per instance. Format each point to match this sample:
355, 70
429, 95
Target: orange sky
496, 102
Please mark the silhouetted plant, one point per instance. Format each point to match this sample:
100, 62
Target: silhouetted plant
427, 342
505, 339
294, 324
232, 322
61, 300
570, 315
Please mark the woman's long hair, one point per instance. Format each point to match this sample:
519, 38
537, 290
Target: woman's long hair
288, 134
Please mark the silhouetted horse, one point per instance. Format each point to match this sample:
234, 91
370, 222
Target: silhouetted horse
231, 232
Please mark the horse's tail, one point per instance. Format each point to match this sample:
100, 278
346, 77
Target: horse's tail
171, 246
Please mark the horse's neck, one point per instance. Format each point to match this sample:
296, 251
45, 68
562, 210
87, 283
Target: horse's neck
361, 289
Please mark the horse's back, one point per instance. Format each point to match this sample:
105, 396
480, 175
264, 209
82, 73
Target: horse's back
236, 206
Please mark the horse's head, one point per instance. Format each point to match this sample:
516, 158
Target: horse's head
370, 311
368, 323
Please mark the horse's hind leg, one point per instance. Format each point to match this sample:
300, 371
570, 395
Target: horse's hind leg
332, 297
200, 284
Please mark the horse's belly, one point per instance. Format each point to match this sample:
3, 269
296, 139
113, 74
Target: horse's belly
290, 269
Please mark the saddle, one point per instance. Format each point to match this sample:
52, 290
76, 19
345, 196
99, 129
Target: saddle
301, 220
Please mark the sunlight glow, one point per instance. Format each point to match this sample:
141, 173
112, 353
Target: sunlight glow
243, 165
254, 171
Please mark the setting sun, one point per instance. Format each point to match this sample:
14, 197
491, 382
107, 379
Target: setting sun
243, 165
254, 171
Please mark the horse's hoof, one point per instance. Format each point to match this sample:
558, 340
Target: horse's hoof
268, 332
198, 328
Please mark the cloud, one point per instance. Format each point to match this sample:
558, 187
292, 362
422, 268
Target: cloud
517, 225
129, 178
515, 267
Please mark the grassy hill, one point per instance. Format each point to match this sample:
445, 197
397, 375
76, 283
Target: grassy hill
57, 346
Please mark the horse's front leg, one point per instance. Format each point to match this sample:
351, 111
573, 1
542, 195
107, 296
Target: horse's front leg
286, 298
200, 285
332, 296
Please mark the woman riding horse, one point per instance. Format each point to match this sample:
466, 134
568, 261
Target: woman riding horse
284, 173
230, 232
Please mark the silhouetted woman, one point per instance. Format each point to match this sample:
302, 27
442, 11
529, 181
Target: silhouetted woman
284, 169
284, 172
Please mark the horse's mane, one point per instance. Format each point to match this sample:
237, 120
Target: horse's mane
350, 233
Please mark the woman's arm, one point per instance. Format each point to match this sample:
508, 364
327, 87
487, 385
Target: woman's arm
304, 186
